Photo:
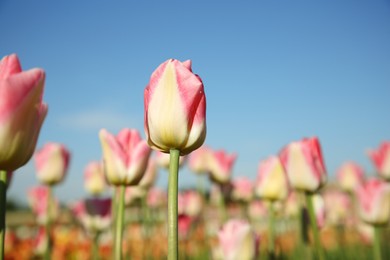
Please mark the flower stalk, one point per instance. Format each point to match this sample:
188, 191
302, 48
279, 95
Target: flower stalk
3, 202
119, 222
314, 227
173, 249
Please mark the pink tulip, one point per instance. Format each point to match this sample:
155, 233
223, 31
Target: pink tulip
257, 209
156, 198
175, 108
190, 203
350, 176
271, 182
292, 205
237, 241
381, 159
338, 207
221, 166
304, 164
125, 156
150, 176
52, 162
319, 210
163, 159
22, 112
94, 179
184, 223
374, 201
242, 189
198, 161
38, 198
41, 242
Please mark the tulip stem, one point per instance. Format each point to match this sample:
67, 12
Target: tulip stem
95, 246
3, 204
173, 181
222, 205
377, 243
271, 218
314, 227
119, 222
49, 212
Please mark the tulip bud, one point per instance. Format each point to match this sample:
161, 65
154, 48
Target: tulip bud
175, 108
125, 156
221, 166
94, 179
52, 162
242, 189
381, 159
374, 202
350, 176
21, 112
237, 241
304, 164
271, 182
198, 161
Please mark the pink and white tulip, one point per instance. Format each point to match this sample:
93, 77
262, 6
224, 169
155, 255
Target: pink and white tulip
271, 181
94, 179
156, 198
350, 176
175, 108
381, 159
52, 162
22, 112
319, 210
304, 164
150, 176
221, 166
190, 203
374, 202
39, 200
338, 207
125, 156
242, 189
237, 241
199, 159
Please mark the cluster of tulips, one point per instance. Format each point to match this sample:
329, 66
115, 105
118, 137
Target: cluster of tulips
234, 219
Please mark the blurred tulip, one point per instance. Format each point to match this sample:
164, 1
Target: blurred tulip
125, 156
292, 205
156, 198
381, 159
150, 175
22, 112
134, 193
94, 179
52, 162
304, 164
338, 207
350, 176
221, 166
257, 209
374, 202
199, 159
190, 203
162, 160
175, 108
271, 182
319, 209
242, 189
237, 241
184, 223
41, 242
39, 199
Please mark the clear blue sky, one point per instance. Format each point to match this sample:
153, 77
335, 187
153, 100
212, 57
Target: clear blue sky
274, 72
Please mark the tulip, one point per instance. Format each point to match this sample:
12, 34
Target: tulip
350, 176
242, 189
257, 209
40, 201
156, 198
125, 156
190, 203
237, 241
198, 160
374, 202
94, 179
221, 166
133, 193
52, 162
304, 164
338, 207
175, 108
271, 182
21, 112
150, 175
381, 159
374, 208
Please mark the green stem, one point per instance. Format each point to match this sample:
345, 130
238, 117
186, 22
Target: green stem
119, 223
377, 243
314, 227
173, 181
271, 227
114, 210
49, 213
3, 203
200, 184
95, 246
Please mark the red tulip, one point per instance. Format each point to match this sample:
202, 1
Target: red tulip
125, 156
21, 112
175, 108
52, 162
381, 159
304, 164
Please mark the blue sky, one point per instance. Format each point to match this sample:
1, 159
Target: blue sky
274, 72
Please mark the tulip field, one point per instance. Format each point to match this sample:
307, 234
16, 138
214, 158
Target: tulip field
291, 210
